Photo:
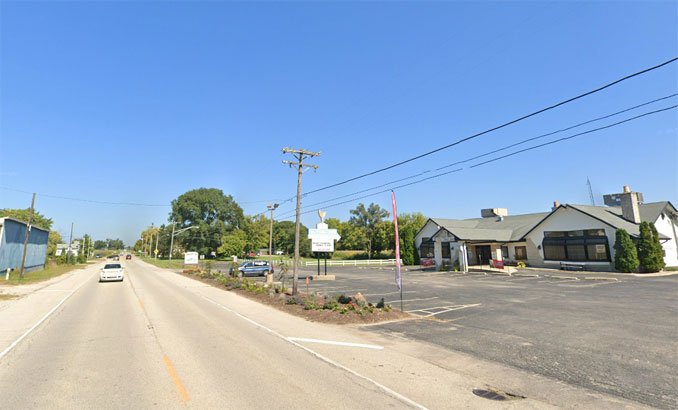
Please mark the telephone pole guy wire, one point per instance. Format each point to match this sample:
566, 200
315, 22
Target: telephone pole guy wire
299, 155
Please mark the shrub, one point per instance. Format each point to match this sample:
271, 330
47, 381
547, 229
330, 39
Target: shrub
649, 249
521, 264
208, 268
291, 301
625, 256
380, 305
343, 299
331, 304
309, 304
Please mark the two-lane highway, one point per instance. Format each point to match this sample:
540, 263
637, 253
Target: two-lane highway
146, 342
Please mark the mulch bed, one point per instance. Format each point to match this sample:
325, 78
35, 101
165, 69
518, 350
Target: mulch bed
321, 315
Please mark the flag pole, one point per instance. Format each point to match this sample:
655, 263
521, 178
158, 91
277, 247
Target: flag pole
398, 278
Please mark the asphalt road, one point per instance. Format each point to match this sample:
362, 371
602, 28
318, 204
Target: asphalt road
618, 336
161, 340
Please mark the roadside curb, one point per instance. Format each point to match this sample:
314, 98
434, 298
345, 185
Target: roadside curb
601, 278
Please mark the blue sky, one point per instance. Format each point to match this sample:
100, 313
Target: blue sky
142, 101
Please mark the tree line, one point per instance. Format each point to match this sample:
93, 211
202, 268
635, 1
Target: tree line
221, 229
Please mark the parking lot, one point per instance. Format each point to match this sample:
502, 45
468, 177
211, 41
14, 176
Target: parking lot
610, 333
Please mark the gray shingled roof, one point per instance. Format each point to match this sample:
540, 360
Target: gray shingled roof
514, 227
506, 229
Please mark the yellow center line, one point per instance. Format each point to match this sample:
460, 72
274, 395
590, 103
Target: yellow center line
141, 304
177, 382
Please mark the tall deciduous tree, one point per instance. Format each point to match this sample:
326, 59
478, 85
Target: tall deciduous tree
283, 238
625, 256
23, 214
368, 220
650, 249
214, 213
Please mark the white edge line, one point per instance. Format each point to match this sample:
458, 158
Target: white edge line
16, 342
321, 357
330, 342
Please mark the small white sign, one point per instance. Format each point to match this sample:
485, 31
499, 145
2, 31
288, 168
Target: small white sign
322, 239
191, 258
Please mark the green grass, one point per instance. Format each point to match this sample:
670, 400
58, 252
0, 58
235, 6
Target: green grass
40, 275
671, 268
162, 262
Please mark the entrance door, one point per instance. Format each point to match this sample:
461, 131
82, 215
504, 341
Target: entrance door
483, 254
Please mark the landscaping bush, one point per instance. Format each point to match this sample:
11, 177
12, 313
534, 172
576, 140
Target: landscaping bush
291, 301
309, 304
380, 305
343, 299
625, 256
649, 249
331, 304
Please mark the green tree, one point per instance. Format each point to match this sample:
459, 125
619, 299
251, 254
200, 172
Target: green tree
352, 237
333, 223
407, 248
214, 213
52, 241
138, 245
99, 245
233, 244
625, 256
384, 238
116, 244
368, 220
650, 249
283, 238
23, 214
256, 231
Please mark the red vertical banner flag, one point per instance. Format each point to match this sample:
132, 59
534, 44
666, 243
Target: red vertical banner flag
398, 277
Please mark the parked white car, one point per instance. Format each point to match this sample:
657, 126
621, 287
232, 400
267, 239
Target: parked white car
111, 271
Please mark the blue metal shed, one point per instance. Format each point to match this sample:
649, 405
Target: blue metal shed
12, 236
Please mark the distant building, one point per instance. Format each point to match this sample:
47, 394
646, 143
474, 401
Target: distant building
63, 247
570, 234
12, 237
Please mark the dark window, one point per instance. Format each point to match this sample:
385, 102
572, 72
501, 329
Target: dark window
554, 252
504, 252
579, 245
427, 249
521, 252
446, 250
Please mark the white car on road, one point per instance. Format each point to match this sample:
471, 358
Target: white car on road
111, 271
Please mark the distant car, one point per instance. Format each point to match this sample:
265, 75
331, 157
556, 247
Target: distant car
111, 271
128, 256
279, 252
255, 268
98, 255
251, 254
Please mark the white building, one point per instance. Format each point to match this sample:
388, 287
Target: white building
580, 235
63, 247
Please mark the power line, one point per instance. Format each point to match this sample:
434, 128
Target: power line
502, 157
81, 199
286, 213
495, 128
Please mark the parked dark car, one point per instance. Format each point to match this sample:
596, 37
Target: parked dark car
255, 268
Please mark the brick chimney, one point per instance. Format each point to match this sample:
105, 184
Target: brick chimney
628, 201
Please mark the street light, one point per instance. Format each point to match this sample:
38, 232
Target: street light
169, 264
269, 277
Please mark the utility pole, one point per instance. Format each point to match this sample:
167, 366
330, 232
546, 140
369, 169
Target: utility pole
70, 241
150, 241
169, 264
299, 155
269, 277
156, 245
28, 230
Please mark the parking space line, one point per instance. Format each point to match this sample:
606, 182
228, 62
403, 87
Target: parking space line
444, 309
411, 300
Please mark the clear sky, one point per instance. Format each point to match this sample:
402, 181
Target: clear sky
139, 102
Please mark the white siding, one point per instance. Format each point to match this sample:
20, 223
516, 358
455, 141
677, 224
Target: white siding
567, 219
429, 229
669, 228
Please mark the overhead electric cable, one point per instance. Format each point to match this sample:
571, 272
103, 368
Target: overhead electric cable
497, 127
504, 156
81, 199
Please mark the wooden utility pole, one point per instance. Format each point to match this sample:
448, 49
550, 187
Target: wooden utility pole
28, 230
299, 155
269, 277
169, 264
70, 241
156, 245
